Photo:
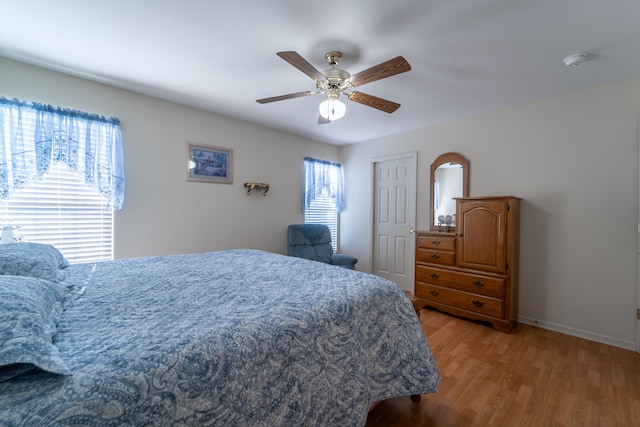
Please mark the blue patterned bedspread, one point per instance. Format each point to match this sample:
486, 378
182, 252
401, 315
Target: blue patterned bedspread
230, 338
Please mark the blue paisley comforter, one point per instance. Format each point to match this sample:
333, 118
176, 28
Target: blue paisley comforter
231, 338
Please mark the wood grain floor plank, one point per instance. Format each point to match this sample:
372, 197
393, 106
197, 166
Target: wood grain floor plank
531, 377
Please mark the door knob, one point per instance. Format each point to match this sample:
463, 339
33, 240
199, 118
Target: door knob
411, 230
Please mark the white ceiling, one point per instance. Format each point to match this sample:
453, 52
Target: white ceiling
467, 56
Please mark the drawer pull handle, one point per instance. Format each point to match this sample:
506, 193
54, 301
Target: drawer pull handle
477, 303
478, 284
434, 293
435, 242
435, 276
435, 256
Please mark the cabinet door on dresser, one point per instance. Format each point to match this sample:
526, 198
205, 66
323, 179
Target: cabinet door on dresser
482, 231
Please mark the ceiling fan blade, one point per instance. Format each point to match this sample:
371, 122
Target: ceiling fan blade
373, 102
302, 64
388, 68
283, 97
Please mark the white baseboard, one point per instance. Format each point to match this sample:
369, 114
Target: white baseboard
629, 345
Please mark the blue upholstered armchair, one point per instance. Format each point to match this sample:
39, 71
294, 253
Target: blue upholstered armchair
313, 241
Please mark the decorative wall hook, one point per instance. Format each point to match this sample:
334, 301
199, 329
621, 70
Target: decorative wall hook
256, 186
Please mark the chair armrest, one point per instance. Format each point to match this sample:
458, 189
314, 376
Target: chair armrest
343, 260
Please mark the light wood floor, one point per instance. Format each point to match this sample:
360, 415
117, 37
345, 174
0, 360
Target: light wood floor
531, 377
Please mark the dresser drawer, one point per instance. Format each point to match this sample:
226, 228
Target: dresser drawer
464, 300
473, 283
442, 243
436, 257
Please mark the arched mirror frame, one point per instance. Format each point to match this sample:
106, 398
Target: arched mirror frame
441, 160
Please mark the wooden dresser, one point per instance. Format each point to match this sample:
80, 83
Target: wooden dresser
473, 272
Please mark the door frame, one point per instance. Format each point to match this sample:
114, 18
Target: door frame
413, 157
638, 251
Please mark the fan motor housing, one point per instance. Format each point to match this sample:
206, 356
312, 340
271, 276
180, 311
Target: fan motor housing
336, 80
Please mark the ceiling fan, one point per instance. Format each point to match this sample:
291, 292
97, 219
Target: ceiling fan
334, 82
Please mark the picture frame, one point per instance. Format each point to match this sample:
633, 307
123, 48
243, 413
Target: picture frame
208, 163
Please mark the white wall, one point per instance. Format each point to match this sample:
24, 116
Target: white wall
162, 212
573, 159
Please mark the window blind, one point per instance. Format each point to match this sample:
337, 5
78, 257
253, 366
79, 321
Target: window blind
323, 211
62, 210
323, 195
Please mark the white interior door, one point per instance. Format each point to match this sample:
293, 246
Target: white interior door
394, 210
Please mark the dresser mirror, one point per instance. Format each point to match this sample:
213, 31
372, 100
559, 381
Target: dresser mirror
449, 179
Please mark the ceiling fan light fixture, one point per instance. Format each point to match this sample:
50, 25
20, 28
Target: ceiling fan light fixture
332, 109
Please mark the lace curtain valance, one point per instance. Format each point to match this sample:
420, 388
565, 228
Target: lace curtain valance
34, 136
323, 177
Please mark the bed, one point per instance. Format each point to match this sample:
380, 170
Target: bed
229, 338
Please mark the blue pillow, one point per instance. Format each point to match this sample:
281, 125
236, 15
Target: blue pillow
32, 259
30, 309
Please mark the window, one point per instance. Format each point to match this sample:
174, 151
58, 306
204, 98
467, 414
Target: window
63, 211
323, 195
61, 177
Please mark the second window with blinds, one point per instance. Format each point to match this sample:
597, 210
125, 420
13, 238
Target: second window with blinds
323, 195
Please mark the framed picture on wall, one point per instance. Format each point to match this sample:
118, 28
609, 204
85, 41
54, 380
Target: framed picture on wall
208, 163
